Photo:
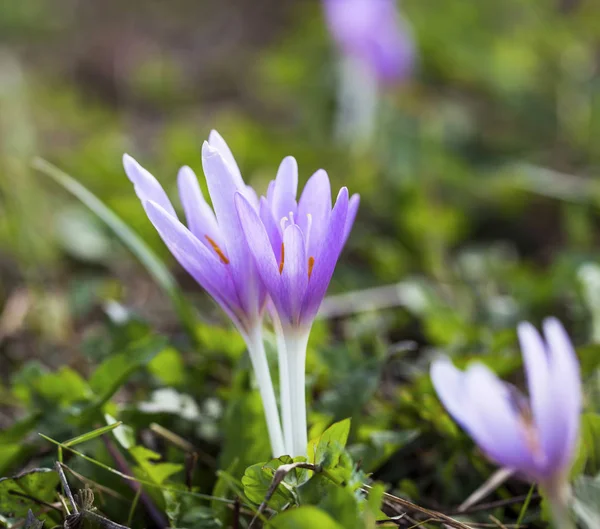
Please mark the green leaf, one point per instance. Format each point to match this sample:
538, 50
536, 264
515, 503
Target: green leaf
39, 483
258, 478
588, 453
587, 501
225, 340
187, 511
9, 455
111, 374
222, 489
200, 517
168, 367
337, 501
374, 503
307, 517
172, 507
157, 472
155, 267
327, 449
382, 444
63, 387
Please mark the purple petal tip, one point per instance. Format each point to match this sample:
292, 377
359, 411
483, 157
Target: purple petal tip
208, 150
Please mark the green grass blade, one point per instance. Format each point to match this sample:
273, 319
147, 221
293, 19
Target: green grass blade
155, 267
176, 490
525, 506
92, 435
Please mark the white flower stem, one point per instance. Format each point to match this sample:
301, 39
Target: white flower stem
358, 101
558, 495
258, 357
296, 342
284, 386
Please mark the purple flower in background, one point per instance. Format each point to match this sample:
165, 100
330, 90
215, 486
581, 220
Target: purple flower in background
213, 250
296, 245
374, 33
536, 437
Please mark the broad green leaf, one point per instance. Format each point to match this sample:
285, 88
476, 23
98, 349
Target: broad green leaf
336, 500
63, 387
327, 448
307, 517
147, 460
113, 372
258, 478
39, 483
9, 454
168, 367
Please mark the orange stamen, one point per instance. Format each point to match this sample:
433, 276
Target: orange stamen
530, 432
218, 250
311, 263
282, 258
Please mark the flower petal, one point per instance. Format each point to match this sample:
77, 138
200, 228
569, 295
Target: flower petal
200, 217
449, 384
273, 229
537, 370
222, 187
565, 384
216, 141
285, 189
294, 273
316, 201
494, 423
146, 186
327, 257
260, 247
252, 197
351, 216
196, 258
270, 192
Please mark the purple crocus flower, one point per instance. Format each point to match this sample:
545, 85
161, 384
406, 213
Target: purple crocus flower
372, 32
296, 245
535, 437
213, 250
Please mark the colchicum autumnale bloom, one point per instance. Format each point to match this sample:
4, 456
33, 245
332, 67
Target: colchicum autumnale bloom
296, 245
373, 33
535, 437
213, 250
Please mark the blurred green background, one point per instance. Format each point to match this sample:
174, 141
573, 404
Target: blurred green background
480, 202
